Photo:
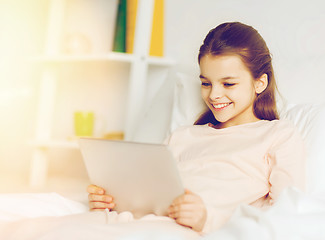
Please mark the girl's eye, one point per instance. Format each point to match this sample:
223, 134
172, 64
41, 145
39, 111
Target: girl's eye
229, 84
205, 84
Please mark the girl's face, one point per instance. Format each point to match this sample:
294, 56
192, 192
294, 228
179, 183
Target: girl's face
228, 89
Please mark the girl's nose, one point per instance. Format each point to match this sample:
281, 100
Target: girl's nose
216, 93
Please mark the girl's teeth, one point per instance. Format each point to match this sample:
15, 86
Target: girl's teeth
220, 105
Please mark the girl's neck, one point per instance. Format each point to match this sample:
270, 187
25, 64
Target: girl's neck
225, 125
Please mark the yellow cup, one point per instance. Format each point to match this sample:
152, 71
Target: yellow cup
84, 124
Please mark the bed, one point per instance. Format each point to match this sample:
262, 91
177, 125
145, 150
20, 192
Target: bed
47, 216
296, 215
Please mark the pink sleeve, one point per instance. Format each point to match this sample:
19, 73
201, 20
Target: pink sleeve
287, 162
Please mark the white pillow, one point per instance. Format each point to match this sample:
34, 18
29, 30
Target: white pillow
188, 104
154, 122
309, 120
177, 102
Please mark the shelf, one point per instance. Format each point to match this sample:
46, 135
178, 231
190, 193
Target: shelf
72, 144
112, 56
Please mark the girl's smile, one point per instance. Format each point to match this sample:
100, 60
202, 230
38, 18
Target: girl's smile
220, 106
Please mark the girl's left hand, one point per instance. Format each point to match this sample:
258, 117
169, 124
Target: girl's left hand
189, 210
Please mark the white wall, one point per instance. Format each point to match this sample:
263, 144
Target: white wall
21, 27
293, 29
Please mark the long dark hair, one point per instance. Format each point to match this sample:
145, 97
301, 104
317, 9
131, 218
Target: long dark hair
245, 42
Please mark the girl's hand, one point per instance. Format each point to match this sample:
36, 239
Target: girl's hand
189, 210
98, 200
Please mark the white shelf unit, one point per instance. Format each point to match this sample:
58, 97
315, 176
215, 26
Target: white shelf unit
139, 64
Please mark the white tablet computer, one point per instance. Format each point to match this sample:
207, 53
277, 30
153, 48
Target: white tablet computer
142, 178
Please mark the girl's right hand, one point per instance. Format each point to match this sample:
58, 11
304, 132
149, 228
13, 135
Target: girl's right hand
98, 200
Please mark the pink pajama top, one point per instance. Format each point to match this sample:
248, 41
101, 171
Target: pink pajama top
244, 164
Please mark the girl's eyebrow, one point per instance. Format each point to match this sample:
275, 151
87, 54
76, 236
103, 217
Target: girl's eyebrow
223, 79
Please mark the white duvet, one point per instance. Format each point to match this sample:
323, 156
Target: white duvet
50, 216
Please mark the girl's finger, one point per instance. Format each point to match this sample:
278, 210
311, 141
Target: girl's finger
187, 222
97, 209
185, 198
101, 205
181, 214
187, 191
95, 189
100, 198
181, 207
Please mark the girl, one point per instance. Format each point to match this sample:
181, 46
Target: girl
238, 152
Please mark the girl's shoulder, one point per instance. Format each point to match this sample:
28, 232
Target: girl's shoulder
281, 125
283, 131
185, 132
280, 128
188, 129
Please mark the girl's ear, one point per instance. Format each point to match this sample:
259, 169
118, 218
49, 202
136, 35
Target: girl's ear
261, 83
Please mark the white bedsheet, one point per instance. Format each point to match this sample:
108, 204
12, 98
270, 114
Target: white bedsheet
93, 226
296, 215
17, 206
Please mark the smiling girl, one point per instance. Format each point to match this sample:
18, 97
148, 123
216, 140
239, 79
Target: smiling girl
229, 90
237, 152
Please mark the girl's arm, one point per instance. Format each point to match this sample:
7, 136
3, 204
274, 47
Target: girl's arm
287, 161
98, 200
